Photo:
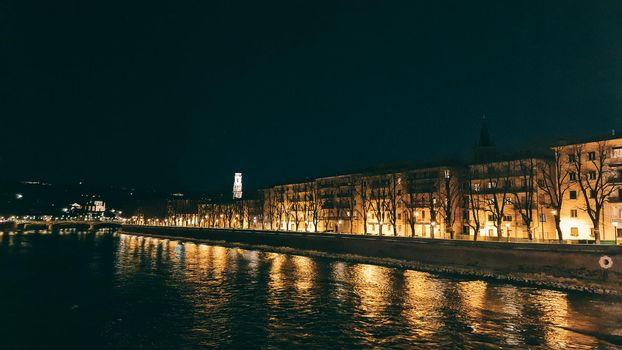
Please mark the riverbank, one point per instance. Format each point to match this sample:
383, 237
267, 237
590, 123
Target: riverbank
567, 267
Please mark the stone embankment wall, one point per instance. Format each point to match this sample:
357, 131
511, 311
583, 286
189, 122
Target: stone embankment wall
570, 267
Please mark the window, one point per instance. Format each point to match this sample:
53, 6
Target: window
399, 192
541, 183
399, 216
573, 194
573, 213
572, 176
616, 152
465, 215
465, 230
574, 232
476, 187
490, 217
507, 218
542, 218
592, 194
572, 158
592, 175
492, 184
591, 155
508, 201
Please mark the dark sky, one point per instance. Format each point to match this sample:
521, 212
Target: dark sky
180, 94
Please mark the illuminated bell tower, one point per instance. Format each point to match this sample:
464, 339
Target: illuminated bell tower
237, 186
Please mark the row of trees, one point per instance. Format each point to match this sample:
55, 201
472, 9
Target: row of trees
354, 199
470, 195
585, 169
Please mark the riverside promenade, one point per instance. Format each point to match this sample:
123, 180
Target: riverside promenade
589, 268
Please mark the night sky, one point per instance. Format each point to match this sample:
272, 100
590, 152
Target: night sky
180, 94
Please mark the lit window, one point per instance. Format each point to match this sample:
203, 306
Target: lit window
616, 152
574, 231
591, 155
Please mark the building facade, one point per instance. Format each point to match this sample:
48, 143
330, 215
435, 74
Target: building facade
571, 194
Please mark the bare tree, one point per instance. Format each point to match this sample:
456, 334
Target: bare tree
378, 198
393, 198
594, 178
476, 205
362, 188
306, 203
524, 194
554, 182
315, 205
229, 210
497, 187
450, 195
350, 201
296, 203
339, 206
270, 207
431, 200
410, 200
279, 205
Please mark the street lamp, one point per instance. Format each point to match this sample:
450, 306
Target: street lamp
615, 232
507, 230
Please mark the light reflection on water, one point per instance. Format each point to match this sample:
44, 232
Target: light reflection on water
132, 292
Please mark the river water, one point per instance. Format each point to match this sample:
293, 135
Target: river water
107, 290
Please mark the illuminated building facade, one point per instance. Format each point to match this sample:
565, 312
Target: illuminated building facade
561, 195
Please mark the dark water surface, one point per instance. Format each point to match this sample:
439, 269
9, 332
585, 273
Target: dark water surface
114, 291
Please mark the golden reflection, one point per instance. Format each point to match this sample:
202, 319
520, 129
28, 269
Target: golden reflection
371, 285
304, 272
509, 298
340, 276
555, 313
219, 259
276, 284
422, 303
472, 299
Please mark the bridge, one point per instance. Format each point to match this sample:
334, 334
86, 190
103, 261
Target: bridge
24, 225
